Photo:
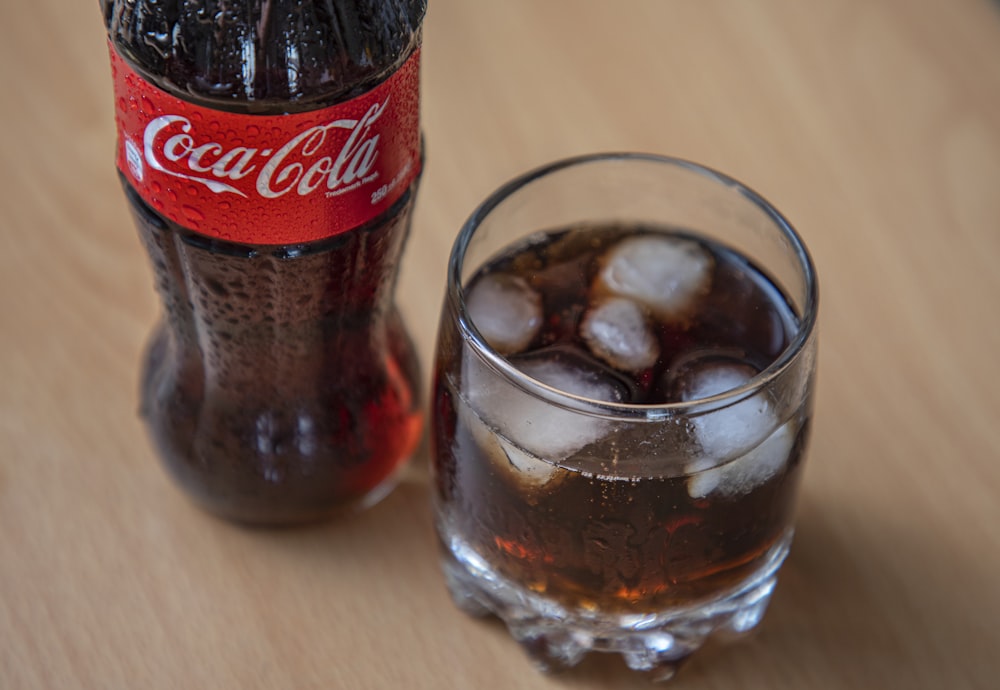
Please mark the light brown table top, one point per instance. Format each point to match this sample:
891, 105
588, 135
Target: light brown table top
874, 125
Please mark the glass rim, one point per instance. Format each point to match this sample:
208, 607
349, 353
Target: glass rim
637, 412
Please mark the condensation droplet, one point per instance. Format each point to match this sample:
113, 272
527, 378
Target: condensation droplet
192, 214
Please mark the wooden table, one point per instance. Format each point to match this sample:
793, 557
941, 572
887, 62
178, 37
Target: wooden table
874, 125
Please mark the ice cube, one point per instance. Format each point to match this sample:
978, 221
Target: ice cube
505, 310
743, 475
617, 331
525, 468
742, 445
528, 468
665, 274
572, 372
703, 374
729, 431
543, 431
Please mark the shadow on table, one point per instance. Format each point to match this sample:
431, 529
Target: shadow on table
844, 613
851, 610
400, 522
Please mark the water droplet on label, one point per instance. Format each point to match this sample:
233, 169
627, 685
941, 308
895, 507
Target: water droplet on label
147, 105
266, 152
253, 131
225, 205
192, 214
192, 190
156, 187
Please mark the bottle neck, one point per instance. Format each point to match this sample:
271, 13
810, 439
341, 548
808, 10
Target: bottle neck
265, 56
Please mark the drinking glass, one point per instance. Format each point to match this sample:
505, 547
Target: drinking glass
588, 521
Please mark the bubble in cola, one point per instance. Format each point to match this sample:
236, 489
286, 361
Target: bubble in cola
270, 154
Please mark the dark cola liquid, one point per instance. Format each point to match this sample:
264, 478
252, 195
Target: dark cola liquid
278, 388
607, 543
281, 385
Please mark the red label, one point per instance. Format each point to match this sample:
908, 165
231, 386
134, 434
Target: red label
269, 179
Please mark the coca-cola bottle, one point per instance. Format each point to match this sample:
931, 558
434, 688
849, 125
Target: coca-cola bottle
270, 153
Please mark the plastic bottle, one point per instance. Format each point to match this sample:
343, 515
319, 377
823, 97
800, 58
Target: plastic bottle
270, 153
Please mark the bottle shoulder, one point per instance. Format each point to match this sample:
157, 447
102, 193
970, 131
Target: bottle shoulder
265, 56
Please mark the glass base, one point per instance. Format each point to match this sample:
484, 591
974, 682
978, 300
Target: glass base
656, 643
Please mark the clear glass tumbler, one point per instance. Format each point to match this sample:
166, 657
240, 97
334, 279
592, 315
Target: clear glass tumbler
622, 401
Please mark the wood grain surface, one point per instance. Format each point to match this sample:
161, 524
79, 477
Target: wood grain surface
873, 124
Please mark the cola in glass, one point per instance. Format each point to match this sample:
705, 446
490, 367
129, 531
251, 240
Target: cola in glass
577, 512
270, 153
622, 399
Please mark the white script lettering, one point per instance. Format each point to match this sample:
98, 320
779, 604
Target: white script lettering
170, 146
